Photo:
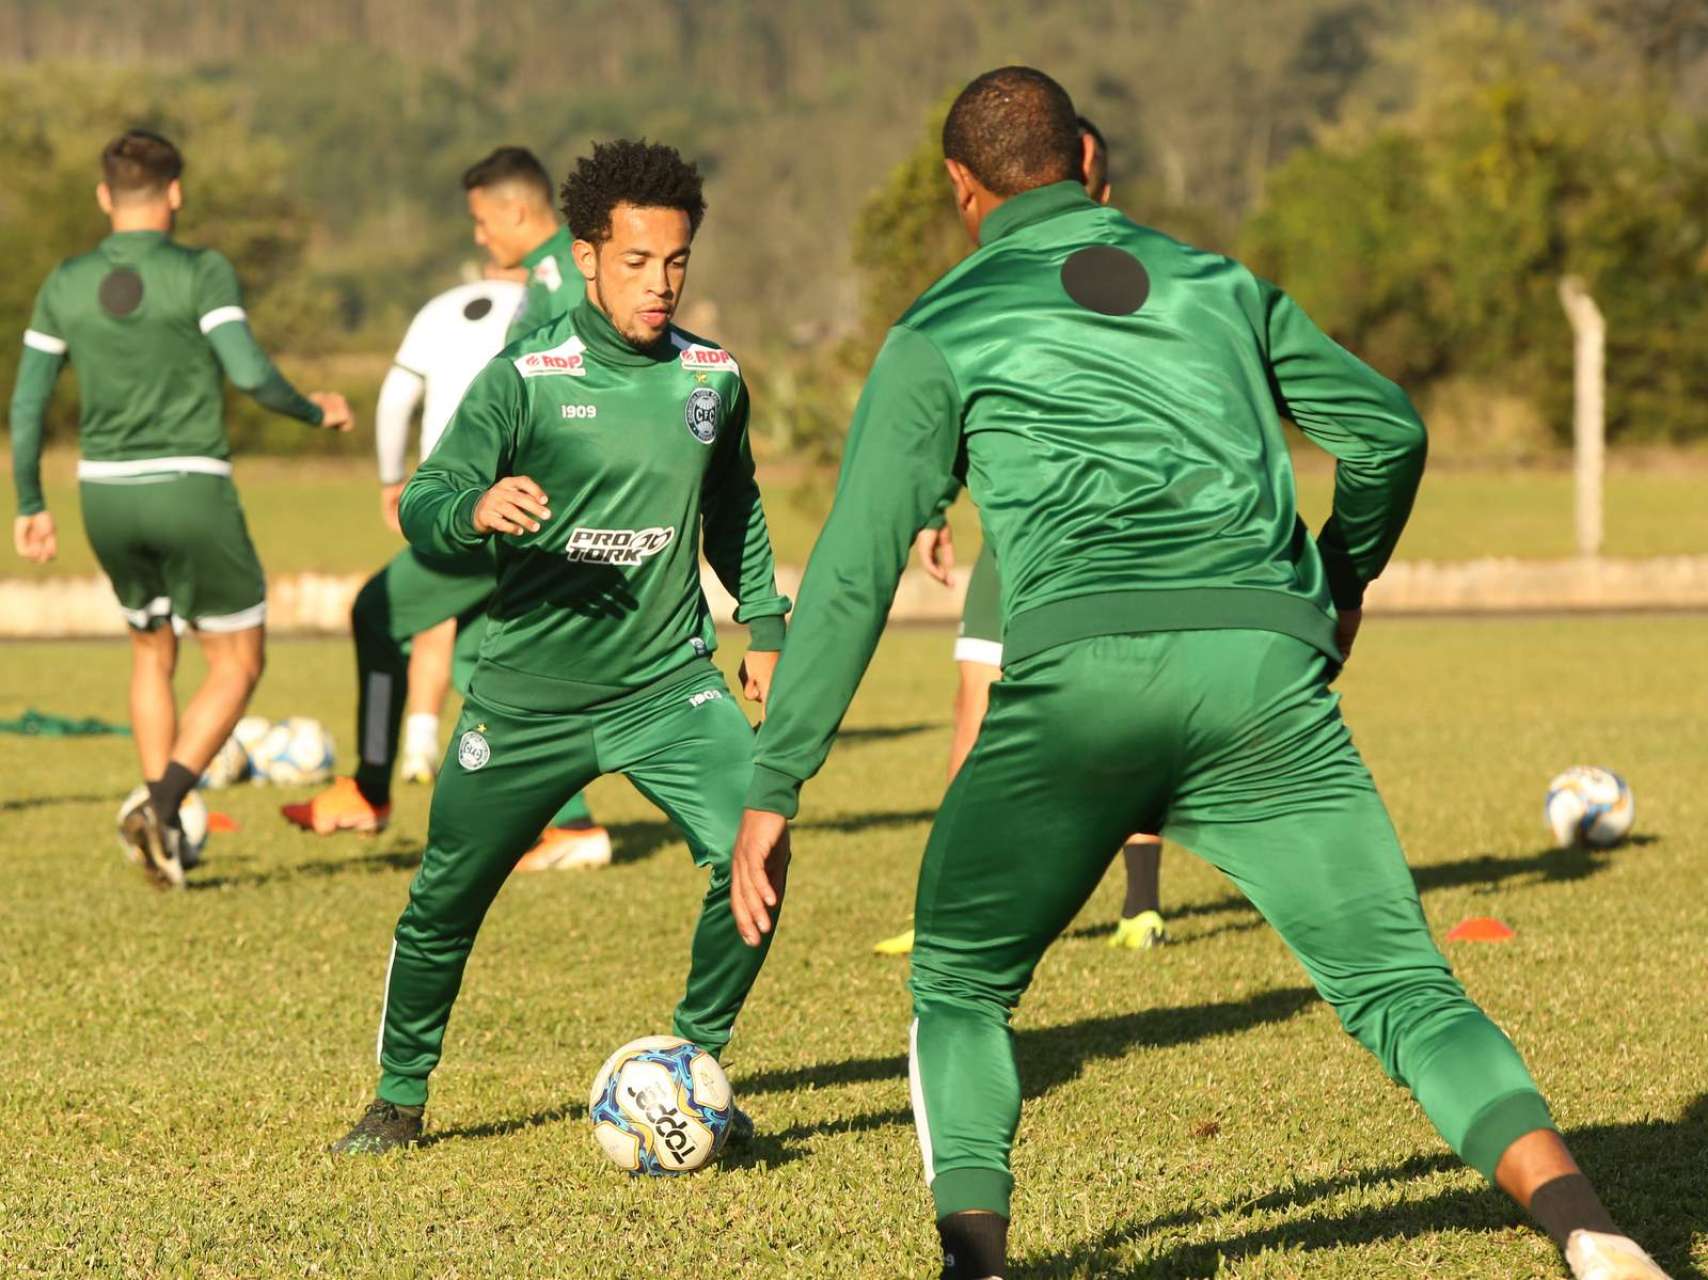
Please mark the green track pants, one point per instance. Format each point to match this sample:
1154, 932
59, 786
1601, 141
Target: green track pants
411, 595
685, 746
1231, 744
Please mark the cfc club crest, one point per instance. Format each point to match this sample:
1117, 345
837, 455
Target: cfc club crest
701, 413
472, 750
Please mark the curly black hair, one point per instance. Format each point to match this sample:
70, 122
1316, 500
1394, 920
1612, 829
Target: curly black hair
648, 174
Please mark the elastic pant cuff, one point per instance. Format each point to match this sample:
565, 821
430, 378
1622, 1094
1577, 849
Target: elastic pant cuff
714, 1045
402, 1091
1500, 1124
958, 1190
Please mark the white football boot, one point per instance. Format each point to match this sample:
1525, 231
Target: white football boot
1595, 1255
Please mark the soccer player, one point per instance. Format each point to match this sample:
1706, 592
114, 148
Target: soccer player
978, 657
1113, 399
447, 343
510, 202
596, 453
150, 324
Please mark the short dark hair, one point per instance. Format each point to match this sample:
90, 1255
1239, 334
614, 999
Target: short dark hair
648, 174
1014, 128
510, 165
140, 162
1097, 172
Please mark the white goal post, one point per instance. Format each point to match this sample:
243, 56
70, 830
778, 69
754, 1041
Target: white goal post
1589, 421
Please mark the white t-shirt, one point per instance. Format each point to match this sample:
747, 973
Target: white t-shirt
449, 341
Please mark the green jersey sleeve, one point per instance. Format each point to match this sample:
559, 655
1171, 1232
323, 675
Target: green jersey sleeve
219, 304
38, 370
1370, 427
898, 463
475, 452
736, 540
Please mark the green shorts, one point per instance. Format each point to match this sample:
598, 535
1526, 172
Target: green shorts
980, 637
176, 548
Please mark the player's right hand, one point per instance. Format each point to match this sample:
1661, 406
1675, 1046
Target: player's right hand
936, 548
1346, 630
34, 538
390, 496
334, 411
514, 505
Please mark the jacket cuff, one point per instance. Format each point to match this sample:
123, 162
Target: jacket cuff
773, 792
462, 520
765, 635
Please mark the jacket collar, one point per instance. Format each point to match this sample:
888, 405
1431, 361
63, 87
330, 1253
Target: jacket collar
1032, 206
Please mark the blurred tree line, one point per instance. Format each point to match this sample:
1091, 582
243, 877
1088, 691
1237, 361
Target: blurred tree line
1418, 176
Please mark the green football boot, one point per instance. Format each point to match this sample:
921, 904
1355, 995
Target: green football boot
384, 1126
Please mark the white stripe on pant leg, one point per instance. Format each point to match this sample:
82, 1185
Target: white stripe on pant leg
385, 1003
985, 652
379, 717
916, 1090
225, 623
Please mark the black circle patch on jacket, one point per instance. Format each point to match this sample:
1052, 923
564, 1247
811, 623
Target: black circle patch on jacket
120, 292
477, 308
1107, 280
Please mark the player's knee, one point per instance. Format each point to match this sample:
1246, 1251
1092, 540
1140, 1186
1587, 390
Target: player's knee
1393, 1012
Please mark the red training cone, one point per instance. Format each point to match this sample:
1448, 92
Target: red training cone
1480, 929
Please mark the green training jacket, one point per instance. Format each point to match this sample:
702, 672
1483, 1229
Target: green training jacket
1112, 399
149, 325
640, 454
555, 287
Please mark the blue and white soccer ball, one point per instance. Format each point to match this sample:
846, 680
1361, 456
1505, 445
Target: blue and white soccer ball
192, 816
295, 752
248, 735
229, 766
661, 1105
1589, 807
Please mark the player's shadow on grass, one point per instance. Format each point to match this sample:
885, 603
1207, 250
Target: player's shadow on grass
1648, 1172
638, 841
502, 1128
402, 856
48, 802
885, 732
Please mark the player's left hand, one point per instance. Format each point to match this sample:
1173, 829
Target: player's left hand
757, 668
1346, 630
758, 870
390, 496
34, 538
936, 551
335, 412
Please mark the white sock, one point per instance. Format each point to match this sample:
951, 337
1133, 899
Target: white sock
421, 734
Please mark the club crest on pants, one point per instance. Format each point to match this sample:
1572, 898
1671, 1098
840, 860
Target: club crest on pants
472, 750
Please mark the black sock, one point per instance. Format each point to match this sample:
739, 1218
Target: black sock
168, 793
975, 1245
1566, 1204
374, 782
1144, 867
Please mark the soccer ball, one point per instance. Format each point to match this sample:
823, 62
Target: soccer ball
192, 815
229, 765
248, 734
661, 1106
1589, 807
295, 752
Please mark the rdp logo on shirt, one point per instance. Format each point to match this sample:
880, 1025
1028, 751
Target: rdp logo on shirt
617, 546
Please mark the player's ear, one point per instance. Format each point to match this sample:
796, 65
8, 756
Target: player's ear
174, 196
104, 198
967, 190
586, 255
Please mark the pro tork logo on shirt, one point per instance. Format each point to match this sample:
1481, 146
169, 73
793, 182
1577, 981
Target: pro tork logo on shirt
617, 546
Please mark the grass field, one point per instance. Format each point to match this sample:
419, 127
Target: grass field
172, 1066
316, 514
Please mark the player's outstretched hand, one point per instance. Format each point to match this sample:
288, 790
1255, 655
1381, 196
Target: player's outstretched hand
390, 496
1346, 631
514, 505
936, 548
757, 668
334, 411
758, 870
34, 538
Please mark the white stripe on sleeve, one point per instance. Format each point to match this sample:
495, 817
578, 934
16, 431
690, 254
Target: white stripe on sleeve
44, 342
222, 315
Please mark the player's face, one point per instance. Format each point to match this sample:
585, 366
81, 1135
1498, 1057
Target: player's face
636, 277
497, 226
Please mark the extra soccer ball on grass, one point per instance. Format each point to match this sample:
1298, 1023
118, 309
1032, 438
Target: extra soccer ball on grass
661, 1106
294, 752
1589, 808
247, 735
229, 766
192, 814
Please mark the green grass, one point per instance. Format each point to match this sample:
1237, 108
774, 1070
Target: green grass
171, 1066
323, 515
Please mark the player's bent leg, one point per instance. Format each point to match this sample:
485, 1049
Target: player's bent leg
505, 773
429, 679
153, 708
1141, 926
236, 660
1022, 839
688, 748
